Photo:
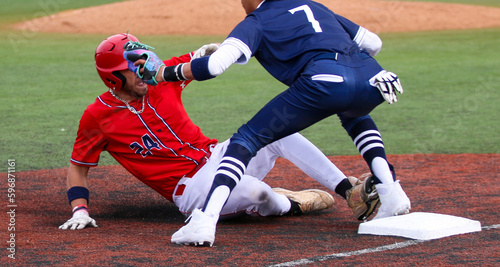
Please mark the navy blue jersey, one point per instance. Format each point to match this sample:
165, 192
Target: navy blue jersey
283, 35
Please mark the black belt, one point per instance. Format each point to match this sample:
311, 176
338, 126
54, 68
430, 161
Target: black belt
338, 57
333, 56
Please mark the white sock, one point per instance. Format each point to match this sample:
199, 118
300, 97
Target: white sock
217, 201
381, 169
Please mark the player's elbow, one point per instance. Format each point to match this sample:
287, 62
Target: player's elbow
377, 46
223, 58
215, 67
373, 43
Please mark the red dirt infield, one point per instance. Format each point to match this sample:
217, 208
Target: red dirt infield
218, 17
135, 223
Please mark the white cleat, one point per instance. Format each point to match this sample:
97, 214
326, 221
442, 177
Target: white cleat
393, 200
200, 230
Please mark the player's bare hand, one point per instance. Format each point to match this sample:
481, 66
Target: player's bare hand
140, 62
388, 84
80, 220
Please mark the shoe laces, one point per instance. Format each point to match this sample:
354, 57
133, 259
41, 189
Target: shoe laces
188, 218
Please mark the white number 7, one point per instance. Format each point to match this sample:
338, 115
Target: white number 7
309, 15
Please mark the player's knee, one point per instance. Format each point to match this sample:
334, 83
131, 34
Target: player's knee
257, 193
258, 196
349, 122
251, 140
245, 140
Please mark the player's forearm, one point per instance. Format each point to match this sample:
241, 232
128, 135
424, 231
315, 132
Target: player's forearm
203, 68
195, 70
77, 176
77, 185
78, 196
180, 72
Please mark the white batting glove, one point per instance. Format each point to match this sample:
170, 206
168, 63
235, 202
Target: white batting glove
80, 220
205, 50
388, 84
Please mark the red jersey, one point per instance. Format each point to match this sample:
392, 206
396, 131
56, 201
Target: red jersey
158, 146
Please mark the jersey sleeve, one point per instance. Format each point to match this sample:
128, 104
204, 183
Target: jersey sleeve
350, 27
89, 142
178, 60
364, 38
246, 36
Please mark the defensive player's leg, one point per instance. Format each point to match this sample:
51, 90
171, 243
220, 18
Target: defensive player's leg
276, 120
303, 104
368, 141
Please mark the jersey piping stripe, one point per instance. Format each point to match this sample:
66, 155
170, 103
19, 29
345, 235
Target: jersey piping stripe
161, 143
170, 129
108, 105
84, 163
165, 123
151, 132
156, 137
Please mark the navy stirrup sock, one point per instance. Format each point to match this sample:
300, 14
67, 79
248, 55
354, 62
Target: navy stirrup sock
231, 168
368, 141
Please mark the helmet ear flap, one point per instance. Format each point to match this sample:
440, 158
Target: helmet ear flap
121, 78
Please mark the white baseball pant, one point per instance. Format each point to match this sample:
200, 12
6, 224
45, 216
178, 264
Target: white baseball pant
251, 195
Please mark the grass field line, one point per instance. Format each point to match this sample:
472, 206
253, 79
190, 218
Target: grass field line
393, 246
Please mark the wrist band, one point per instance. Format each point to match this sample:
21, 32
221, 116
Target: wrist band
179, 72
76, 192
80, 207
174, 73
199, 68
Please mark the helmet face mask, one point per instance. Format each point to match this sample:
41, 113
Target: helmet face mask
109, 60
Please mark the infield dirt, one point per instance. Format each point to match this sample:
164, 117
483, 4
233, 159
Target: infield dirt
218, 17
135, 223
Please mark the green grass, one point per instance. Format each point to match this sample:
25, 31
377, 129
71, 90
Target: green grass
16, 10
451, 100
450, 104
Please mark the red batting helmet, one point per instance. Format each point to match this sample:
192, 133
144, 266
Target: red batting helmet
109, 59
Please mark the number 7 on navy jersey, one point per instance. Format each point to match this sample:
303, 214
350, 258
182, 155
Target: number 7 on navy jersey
309, 15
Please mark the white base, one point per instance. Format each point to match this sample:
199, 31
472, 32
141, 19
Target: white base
420, 225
